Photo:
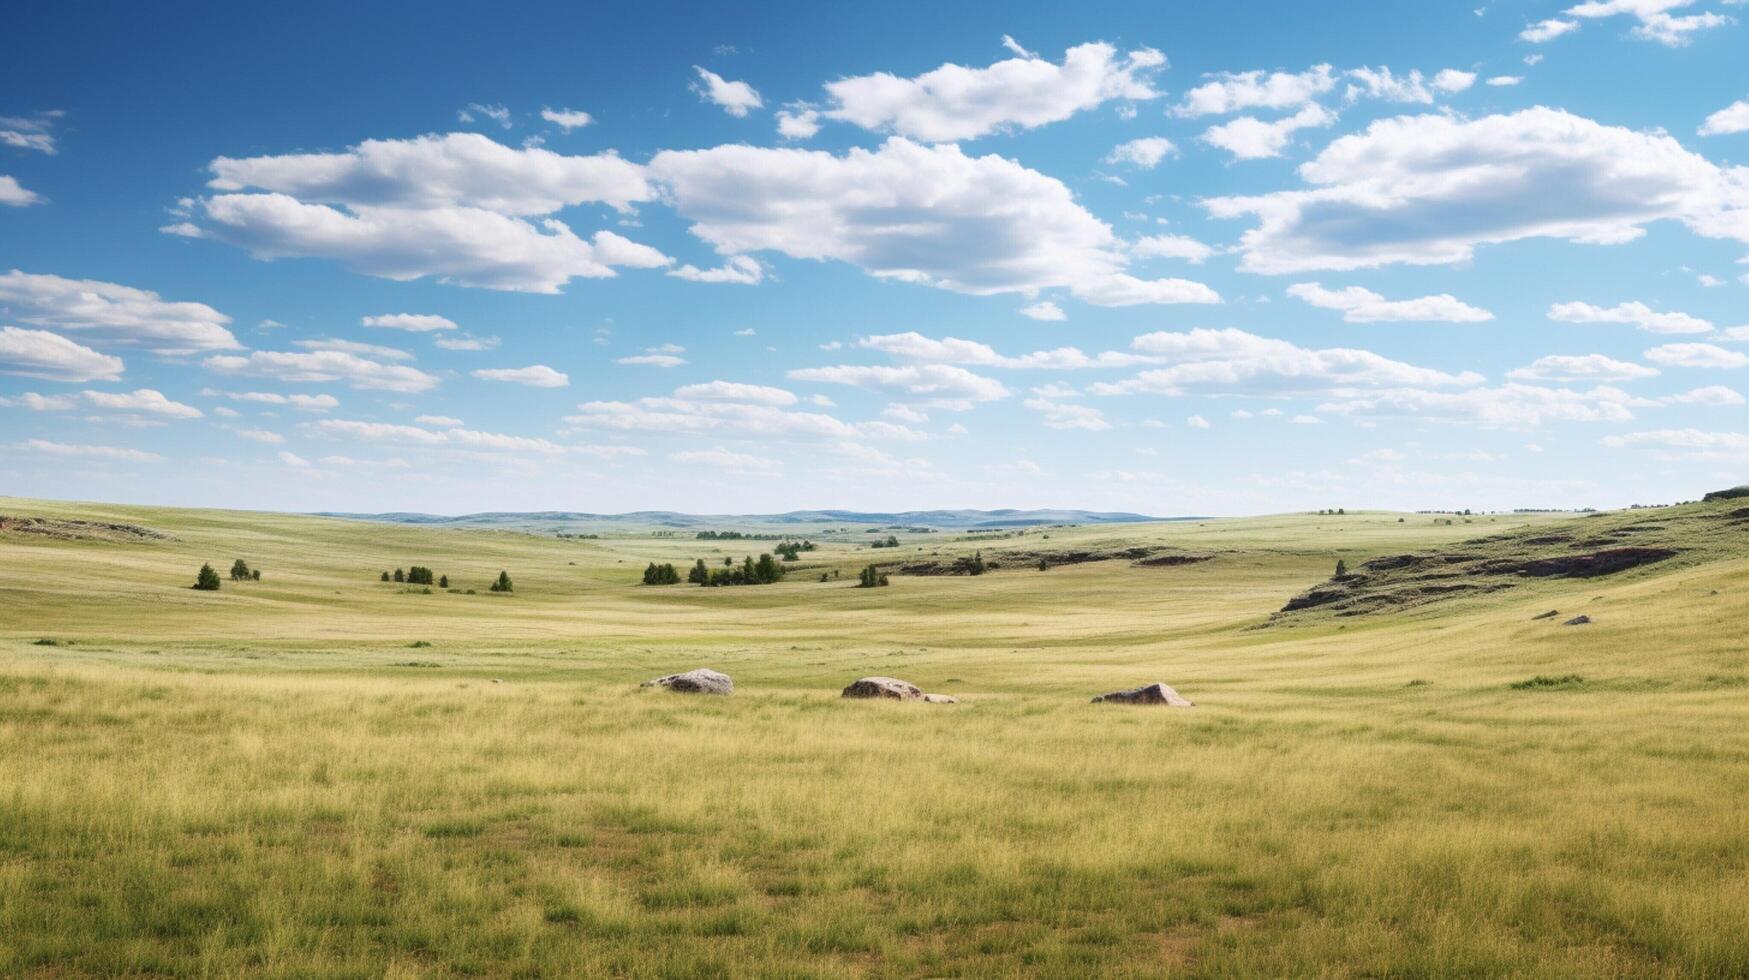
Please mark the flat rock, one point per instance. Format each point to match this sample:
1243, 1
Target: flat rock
700, 681
941, 699
1577, 621
884, 687
1155, 693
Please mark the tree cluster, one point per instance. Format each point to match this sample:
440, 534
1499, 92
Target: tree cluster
765, 571
662, 574
791, 550
871, 577
417, 575
890, 542
241, 572
503, 583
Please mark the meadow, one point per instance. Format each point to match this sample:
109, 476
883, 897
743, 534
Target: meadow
323, 775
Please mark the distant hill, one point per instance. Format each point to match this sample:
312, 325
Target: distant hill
557, 521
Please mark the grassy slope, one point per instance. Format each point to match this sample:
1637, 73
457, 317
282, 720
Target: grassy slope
247, 781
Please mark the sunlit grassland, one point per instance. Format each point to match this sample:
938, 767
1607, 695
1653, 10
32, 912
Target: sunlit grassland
272, 780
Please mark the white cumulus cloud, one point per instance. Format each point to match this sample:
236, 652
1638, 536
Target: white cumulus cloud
566, 119
460, 207
414, 322
953, 102
49, 356
1581, 367
116, 314
1633, 313
1733, 118
923, 214
1144, 153
1360, 305
13, 194
1697, 356
323, 365
533, 376
1389, 194
1248, 138
736, 98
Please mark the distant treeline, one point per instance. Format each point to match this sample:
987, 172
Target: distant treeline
740, 536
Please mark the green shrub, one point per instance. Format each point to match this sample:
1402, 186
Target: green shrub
1545, 682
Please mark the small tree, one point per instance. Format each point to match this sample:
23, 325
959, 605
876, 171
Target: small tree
1341, 569
1042, 564
503, 583
239, 571
255, 574
385, 576
977, 565
207, 580
443, 581
892, 541
400, 576
700, 575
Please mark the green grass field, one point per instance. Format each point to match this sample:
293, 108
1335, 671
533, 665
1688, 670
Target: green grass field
274, 780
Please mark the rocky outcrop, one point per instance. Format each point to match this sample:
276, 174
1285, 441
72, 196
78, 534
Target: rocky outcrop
700, 681
49, 527
1142, 557
1154, 694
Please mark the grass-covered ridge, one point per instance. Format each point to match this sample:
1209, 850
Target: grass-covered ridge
323, 774
1596, 546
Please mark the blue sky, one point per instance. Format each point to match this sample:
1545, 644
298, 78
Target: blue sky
1174, 259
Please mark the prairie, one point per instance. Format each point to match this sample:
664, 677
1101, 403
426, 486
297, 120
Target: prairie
321, 774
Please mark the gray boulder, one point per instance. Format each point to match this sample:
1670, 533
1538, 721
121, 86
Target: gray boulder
894, 689
1155, 693
700, 681
884, 687
1577, 621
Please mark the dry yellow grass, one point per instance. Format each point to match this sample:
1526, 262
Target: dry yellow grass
271, 781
